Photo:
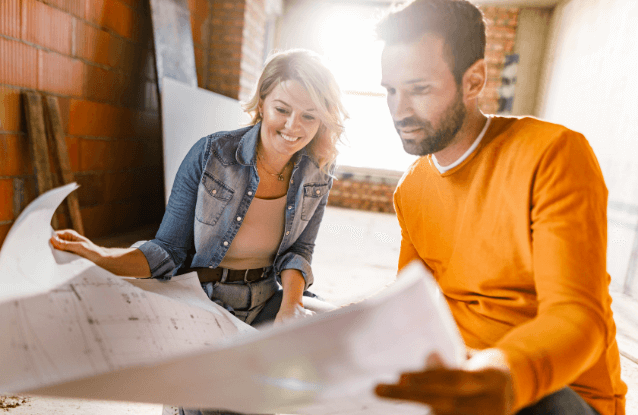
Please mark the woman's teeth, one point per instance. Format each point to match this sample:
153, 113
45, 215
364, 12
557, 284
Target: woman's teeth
287, 137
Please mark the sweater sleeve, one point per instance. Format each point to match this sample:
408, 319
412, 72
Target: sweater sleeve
569, 243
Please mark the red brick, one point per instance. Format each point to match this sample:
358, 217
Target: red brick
113, 15
91, 191
99, 120
4, 230
11, 113
198, 28
102, 84
60, 74
75, 7
6, 199
93, 44
15, 155
18, 64
73, 149
126, 154
95, 154
10, 18
47, 26
200, 65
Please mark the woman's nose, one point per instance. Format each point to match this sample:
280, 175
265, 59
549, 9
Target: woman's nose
291, 121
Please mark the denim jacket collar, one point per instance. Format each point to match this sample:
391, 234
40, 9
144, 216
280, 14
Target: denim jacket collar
247, 148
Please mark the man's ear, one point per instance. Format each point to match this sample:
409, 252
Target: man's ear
474, 80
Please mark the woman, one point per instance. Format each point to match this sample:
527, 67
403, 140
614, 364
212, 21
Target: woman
246, 205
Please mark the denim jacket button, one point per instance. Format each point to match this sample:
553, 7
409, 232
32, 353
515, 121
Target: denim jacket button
210, 266
225, 243
238, 218
250, 193
214, 191
289, 207
287, 232
291, 181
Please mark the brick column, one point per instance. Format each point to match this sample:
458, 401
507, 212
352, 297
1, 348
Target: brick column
501, 33
236, 46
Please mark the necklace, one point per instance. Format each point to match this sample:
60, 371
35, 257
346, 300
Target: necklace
266, 166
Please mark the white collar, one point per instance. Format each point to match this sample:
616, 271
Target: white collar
443, 169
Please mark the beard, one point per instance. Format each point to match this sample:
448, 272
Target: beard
434, 140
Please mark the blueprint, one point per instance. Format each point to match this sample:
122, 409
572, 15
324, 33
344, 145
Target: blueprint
97, 335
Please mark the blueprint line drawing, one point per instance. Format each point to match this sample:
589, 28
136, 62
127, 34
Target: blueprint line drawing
83, 332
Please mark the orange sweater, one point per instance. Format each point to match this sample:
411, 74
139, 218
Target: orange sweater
516, 236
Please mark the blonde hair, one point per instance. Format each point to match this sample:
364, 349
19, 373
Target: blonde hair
306, 68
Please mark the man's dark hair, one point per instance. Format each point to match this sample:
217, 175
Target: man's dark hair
458, 22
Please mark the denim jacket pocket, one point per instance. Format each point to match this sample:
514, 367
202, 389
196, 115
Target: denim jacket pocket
212, 198
312, 194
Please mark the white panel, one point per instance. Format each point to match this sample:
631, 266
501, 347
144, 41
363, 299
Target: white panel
189, 114
589, 84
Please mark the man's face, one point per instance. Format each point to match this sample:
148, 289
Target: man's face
424, 100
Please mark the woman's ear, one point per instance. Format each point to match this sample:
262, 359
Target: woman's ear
474, 80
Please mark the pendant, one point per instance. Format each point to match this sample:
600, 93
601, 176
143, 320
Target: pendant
280, 177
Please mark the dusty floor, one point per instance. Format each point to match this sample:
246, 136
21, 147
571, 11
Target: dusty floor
355, 256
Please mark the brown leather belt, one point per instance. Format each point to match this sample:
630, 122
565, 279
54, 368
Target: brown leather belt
232, 275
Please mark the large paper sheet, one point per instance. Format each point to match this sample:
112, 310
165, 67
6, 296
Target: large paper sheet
27, 265
105, 337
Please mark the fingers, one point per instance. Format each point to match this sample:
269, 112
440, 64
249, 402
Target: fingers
434, 361
69, 235
455, 382
443, 405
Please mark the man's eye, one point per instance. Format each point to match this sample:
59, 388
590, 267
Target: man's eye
421, 89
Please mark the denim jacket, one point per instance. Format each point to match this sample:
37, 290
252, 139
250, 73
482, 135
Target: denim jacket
213, 189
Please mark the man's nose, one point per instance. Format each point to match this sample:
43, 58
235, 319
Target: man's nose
401, 107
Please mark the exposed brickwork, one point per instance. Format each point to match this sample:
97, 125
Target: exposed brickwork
501, 26
364, 189
363, 195
228, 37
94, 56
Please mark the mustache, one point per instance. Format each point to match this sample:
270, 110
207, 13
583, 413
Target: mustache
411, 122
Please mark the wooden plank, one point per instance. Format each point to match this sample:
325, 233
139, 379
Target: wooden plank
57, 133
37, 136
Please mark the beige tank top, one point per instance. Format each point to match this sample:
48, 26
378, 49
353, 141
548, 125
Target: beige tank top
259, 236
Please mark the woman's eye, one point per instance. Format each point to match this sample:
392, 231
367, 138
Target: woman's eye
309, 117
281, 110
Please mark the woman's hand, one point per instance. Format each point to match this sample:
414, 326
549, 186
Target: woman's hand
129, 262
291, 311
71, 241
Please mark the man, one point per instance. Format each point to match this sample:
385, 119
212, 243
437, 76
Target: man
509, 215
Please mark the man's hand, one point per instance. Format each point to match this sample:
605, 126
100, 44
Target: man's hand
291, 311
483, 387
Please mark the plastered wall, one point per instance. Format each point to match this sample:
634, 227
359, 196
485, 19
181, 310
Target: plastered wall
590, 84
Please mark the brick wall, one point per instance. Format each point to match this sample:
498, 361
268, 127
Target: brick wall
501, 24
95, 56
229, 54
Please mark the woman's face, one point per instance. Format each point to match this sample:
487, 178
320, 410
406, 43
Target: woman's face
289, 121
